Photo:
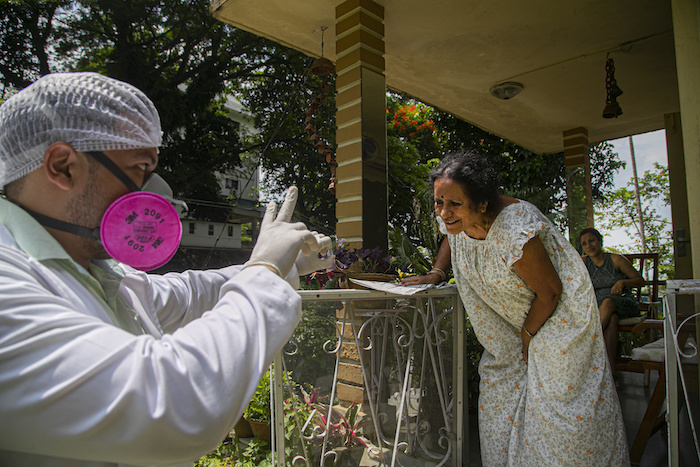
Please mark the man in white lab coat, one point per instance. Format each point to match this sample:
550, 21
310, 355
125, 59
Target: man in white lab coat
100, 363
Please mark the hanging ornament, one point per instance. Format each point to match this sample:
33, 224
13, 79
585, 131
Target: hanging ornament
321, 67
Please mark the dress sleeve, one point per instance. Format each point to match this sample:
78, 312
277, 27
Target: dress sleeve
522, 223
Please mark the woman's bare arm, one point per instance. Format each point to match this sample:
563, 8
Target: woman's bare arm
537, 271
442, 262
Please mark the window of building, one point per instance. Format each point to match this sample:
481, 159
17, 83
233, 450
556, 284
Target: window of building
230, 231
192, 225
211, 229
232, 185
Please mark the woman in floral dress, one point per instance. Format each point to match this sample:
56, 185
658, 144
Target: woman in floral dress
546, 392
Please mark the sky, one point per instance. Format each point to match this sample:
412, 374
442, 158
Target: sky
648, 148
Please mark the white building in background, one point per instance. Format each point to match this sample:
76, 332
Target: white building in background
240, 186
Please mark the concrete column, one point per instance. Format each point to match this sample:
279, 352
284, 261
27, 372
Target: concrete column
682, 257
578, 182
682, 252
686, 36
361, 154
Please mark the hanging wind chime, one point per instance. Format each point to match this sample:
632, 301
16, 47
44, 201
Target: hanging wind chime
322, 68
613, 91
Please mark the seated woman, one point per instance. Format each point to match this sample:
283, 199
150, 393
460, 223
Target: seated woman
613, 276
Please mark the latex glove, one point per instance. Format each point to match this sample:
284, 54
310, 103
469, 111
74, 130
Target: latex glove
280, 241
323, 258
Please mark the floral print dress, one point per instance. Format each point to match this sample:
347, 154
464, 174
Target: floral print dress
561, 408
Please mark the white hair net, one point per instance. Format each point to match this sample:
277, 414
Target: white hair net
89, 111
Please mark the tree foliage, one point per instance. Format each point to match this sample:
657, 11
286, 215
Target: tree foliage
174, 51
280, 98
27, 32
187, 62
419, 136
619, 211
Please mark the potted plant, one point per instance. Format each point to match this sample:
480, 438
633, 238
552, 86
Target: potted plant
242, 428
258, 412
344, 433
363, 263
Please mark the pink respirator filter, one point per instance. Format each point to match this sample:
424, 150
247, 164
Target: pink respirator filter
141, 229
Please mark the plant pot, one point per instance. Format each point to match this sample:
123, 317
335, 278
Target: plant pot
243, 429
260, 430
349, 457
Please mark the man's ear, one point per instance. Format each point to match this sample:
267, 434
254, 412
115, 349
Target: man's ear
61, 162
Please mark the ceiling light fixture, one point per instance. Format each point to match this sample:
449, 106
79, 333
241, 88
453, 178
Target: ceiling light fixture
507, 90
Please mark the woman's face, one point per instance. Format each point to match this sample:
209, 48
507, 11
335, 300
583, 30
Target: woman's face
454, 206
590, 244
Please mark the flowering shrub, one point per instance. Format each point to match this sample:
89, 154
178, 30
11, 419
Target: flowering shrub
410, 120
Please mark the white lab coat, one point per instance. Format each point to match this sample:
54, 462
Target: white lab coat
74, 386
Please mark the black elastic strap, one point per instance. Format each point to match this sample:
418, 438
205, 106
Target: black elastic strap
114, 168
93, 234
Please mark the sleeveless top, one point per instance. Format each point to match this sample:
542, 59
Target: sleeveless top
603, 278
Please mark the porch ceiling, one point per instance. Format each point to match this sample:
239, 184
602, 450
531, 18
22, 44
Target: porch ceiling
449, 53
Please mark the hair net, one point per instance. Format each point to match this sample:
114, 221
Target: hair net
89, 111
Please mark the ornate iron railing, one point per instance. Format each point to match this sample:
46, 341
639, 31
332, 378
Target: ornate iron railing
407, 356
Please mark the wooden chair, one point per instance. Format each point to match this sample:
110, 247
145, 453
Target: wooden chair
655, 417
648, 293
649, 304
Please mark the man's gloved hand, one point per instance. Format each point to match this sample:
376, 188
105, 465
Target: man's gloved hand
315, 261
280, 242
306, 264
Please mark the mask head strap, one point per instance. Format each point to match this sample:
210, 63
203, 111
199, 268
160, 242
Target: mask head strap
108, 164
64, 226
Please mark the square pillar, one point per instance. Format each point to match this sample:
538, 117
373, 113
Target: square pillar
578, 182
362, 186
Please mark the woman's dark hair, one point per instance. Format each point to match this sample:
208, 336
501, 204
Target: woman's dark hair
592, 231
474, 173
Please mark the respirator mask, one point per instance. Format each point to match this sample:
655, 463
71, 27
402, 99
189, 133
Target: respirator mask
141, 229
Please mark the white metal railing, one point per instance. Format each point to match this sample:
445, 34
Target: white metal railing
403, 336
674, 370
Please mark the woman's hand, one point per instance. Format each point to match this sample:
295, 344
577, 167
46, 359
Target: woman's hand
442, 264
433, 278
617, 288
